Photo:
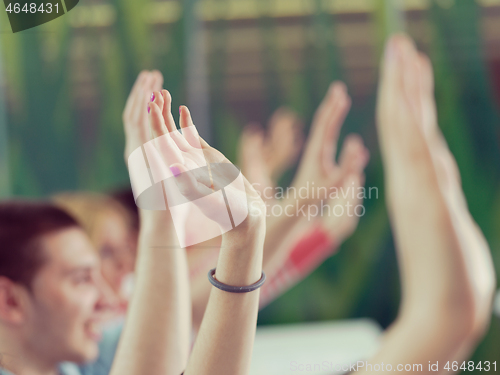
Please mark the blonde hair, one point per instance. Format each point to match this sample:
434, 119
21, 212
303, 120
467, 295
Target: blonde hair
89, 208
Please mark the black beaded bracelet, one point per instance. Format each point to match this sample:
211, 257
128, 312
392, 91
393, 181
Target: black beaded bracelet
235, 289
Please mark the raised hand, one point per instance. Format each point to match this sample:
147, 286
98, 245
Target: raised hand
318, 164
201, 174
315, 241
135, 114
265, 156
426, 201
446, 267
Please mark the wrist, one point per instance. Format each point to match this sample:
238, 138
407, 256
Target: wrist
240, 257
157, 224
151, 218
251, 229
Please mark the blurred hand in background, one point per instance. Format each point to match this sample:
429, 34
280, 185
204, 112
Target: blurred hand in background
297, 245
445, 264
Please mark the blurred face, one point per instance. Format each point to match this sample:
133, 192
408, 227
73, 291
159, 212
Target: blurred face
67, 299
116, 250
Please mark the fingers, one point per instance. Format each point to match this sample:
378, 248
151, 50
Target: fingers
437, 143
157, 98
188, 129
157, 80
399, 108
181, 141
328, 123
332, 111
354, 155
391, 73
188, 185
284, 141
411, 77
146, 82
157, 123
140, 99
163, 142
167, 111
164, 101
185, 117
134, 93
204, 144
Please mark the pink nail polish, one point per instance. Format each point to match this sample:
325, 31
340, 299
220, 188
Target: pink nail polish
175, 171
149, 108
152, 97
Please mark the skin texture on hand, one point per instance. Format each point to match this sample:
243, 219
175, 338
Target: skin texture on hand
446, 269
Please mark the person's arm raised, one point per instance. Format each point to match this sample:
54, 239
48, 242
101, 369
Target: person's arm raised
156, 335
204, 177
445, 265
225, 339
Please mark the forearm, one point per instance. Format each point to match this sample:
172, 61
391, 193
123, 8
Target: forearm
439, 271
282, 232
411, 346
156, 335
432, 264
444, 272
225, 340
200, 260
304, 256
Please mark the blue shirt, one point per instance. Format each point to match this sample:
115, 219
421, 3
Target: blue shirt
102, 365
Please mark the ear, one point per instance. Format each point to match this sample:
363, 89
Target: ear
13, 302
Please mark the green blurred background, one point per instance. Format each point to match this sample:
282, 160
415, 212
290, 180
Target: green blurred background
64, 86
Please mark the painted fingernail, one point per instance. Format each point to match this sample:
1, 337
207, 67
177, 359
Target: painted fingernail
175, 171
179, 110
152, 97
149, 108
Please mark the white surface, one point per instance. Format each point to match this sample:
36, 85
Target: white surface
313, 348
